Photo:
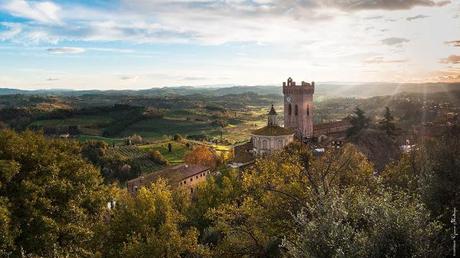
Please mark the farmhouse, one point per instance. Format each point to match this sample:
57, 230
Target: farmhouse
184, 176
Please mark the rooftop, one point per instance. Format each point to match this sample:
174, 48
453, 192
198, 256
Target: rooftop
172, 174
273, 131
272, 111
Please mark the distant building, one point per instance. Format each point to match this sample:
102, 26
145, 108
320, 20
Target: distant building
335, 129
271, 137
243, 155
298, 123
185, 176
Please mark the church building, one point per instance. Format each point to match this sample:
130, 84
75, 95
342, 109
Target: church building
298, 119
271, 137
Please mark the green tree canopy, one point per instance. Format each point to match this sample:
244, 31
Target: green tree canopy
149, 224
387, 123
358, 122
49, 195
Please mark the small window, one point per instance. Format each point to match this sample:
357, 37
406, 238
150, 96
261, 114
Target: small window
308, 110
296, 111
290, 109
135, 188
191, 190
191, 179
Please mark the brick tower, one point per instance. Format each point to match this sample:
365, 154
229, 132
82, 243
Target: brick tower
298, 107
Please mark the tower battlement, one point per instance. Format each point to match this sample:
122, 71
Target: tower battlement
290, 87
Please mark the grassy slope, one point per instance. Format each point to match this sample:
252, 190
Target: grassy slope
158, 127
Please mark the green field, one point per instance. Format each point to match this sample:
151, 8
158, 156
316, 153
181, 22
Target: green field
159, 127
83, 121
174, 157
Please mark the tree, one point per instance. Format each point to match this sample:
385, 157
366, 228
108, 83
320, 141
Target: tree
49, 195
136, 139
225, 187
149, 224
356, 224
278, 187
201, 155
158, 158
387, 123
94, 151
430, 171
3, 125
358, 122
178, 138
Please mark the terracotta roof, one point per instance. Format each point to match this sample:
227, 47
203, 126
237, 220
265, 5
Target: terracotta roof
242, 153
272, 111
172, 174
273, 131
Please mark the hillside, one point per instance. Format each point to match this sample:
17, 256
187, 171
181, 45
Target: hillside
323, 89
377, 146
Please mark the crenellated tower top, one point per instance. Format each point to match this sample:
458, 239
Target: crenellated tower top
290, 87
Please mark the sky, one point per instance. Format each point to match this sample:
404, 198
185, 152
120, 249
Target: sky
139, 44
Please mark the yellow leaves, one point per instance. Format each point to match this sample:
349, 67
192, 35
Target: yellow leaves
201, 155
149, 225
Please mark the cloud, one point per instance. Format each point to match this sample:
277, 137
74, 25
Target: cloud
40, 11
183, 21
449, 75
11, 30
382, 60
194, 78
443, 3
378, 17
52, 79
455, 43
113, 50
420, 16
66, 50
394, 41
383, 4
129, 78
452, 59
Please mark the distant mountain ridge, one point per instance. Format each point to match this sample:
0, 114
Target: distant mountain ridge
321, 89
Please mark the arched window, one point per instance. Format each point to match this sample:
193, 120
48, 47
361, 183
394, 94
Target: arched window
290, 109
308, 110
296, 111
280, 144
264, 144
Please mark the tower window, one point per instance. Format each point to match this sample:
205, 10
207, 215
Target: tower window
308, 110
296, 111
290, 109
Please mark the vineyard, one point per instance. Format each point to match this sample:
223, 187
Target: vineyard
137, 156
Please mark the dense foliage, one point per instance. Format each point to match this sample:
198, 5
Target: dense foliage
50, 198
290, 204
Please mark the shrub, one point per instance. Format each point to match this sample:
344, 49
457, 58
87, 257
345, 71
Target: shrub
178, 137
158, 158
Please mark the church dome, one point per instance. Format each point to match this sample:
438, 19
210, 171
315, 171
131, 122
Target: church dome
273, 131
